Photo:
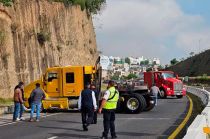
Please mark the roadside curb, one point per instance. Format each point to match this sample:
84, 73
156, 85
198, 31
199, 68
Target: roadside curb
184, 122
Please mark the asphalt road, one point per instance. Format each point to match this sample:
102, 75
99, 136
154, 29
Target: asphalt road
158, 123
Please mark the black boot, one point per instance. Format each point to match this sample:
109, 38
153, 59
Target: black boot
85, 128
104, 136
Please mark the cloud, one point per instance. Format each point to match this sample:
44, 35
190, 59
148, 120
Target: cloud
152, 28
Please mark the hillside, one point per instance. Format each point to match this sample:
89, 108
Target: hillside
36, 34
193, 66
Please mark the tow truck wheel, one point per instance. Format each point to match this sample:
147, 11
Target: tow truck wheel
162, 94
135, 103
179, 96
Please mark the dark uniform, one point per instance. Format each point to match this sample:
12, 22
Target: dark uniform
87, 104
97, 97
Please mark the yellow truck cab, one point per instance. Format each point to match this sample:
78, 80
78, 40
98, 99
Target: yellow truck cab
63, 85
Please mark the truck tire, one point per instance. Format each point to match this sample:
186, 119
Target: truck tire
179, 96
135, 103
162, 94
149, 106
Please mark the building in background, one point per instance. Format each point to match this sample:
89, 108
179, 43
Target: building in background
117, 66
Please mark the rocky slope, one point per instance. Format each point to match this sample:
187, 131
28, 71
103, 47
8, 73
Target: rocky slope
36, 34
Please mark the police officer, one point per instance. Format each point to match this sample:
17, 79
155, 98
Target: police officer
109, 105
87, 105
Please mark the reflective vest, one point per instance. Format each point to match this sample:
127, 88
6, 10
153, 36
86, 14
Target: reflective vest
112, 103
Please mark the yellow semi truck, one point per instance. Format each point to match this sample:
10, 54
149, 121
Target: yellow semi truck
63, 85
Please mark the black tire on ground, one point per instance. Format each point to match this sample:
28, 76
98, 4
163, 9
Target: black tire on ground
162, 94
149, 105
135, 103
179, 96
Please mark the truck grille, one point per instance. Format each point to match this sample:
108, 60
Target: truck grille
178, 86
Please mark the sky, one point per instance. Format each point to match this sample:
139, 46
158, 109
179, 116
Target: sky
165, 29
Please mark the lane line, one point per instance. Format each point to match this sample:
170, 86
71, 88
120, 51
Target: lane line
181, 126
54, 137
140, 118
43, 116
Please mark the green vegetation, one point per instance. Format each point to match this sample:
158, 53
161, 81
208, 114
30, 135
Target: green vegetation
204, 79
6, 2
4, 102
131, 76
174, 61
115, 77
43, 37
92, 6
146, 62
127, 60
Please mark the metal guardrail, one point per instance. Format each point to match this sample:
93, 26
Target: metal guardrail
203, 94
196, 129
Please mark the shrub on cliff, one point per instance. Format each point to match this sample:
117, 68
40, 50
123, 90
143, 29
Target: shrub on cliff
92, 6
6, 2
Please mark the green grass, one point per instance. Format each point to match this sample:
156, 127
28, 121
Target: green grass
6, 102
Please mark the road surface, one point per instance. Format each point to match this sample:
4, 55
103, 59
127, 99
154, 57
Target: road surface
158, 123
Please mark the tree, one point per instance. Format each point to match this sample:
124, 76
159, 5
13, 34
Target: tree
127, 60
192, 53
174, 61
146, 62
115, 77
132, 76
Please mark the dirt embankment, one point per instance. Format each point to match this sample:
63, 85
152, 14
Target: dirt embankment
193, 66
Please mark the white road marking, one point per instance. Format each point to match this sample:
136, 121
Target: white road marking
43, 116
7, 124
141, 118
54, 137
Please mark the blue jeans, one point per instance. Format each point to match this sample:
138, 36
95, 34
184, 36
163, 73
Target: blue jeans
16, 110
38, 108
21, 110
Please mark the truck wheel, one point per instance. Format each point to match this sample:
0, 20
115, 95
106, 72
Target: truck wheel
162, 94
179, 96
135, 103
150, 105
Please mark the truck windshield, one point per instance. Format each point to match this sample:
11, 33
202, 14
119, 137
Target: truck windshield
168, 75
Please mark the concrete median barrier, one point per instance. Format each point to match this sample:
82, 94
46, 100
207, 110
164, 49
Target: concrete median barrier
196, 129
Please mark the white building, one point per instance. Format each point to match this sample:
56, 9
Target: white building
156, 61
105, 62
134, 61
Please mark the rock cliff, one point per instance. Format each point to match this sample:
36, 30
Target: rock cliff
36, 34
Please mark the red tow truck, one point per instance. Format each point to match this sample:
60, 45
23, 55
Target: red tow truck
167, 81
